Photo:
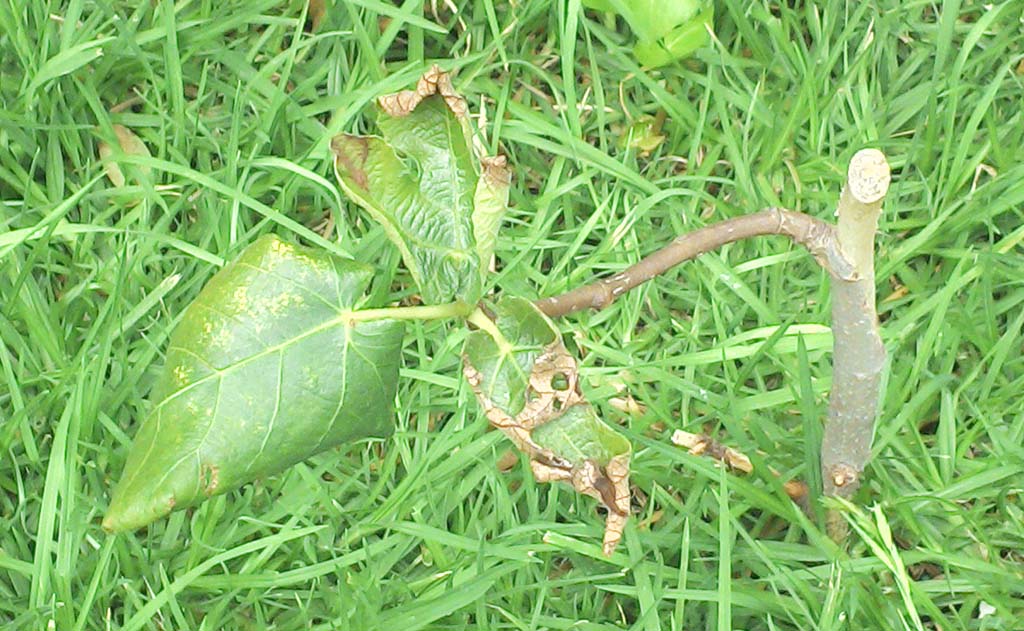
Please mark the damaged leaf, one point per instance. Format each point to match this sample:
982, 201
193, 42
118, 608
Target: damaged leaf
579, 435
272, 362
528, 385
489, 205
421, 182
702, 444
131, 145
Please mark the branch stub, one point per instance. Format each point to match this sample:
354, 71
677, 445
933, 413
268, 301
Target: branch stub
868, 176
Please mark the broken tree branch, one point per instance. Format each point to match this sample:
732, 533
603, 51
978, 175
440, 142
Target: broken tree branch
846, 251
817, 236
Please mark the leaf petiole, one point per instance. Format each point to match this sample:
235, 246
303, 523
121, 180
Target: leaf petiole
480, 320
457, 309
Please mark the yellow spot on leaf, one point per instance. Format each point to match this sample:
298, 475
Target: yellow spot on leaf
241, 297
181, 374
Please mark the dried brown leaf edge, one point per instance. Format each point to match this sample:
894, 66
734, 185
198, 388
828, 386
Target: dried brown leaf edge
544, 403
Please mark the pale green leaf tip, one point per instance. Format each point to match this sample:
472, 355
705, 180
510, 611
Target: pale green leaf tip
123, 516
137, 502
490, 203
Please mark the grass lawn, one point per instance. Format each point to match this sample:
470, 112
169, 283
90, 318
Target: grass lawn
236, 101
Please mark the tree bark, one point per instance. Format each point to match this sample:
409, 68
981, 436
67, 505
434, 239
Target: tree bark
815, 235
846, 252
858, 355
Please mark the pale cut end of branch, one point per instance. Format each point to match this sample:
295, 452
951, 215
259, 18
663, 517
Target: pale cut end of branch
868, 176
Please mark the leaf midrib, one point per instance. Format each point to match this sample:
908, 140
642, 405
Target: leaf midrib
344, 317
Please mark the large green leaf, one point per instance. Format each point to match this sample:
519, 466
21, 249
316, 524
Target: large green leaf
272, 363
527, 384
419, 182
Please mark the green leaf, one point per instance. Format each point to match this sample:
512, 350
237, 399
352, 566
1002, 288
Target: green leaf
273, 362
528, 386
666, 30
652, 19
420, 182
678, 43
579, 435
506, 360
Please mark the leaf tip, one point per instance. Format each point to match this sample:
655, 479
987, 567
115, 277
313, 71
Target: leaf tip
124, 514
496, 171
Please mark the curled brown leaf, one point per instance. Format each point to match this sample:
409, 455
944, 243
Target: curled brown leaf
553, 389
131, 145
434, 81
703, 445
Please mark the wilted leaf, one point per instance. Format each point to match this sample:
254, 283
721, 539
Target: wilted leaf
579, 435
704, 445
272, 363
420, 181
489, 206
131, 145
528, 386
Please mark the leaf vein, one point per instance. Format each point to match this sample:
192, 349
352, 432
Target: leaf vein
273, 416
